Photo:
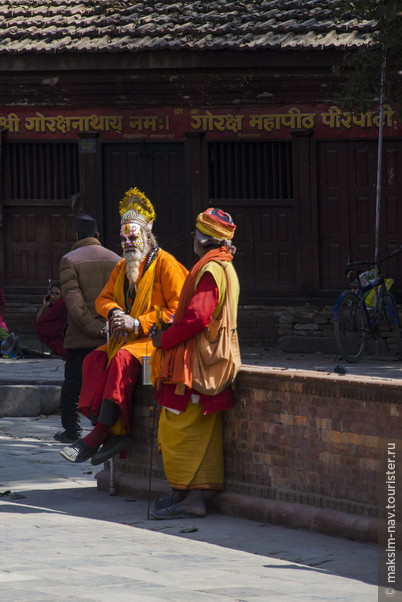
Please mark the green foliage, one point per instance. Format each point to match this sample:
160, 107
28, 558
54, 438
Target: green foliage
361, 69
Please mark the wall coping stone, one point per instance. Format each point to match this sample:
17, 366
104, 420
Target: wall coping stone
316, 383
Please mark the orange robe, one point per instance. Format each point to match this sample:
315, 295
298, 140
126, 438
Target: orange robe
158, 292
167, 284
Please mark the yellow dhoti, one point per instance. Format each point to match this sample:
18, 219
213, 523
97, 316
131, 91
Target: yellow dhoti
192, 448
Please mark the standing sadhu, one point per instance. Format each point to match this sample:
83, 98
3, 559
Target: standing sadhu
146, 282
190, 426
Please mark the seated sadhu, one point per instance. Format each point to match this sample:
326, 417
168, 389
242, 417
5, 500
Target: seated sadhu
192, 400
146, 282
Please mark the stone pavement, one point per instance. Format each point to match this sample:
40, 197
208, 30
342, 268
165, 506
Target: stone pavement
64, 540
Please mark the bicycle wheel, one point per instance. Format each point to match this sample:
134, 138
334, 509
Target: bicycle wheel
392, 316
349, 331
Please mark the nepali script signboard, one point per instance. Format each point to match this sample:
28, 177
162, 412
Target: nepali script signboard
170, 123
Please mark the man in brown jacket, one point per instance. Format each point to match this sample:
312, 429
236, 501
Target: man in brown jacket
84, 272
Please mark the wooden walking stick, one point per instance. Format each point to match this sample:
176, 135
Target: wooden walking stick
158, 326
153, 409
112, 484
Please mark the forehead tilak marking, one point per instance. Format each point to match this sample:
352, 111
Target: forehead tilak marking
130, 228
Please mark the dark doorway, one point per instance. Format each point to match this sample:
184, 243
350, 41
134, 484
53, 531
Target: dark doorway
39, 179
253, 181
347, 207
157, 169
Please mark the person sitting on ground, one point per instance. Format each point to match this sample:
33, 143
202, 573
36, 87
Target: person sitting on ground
147, 280
3, 325
10, 347
190, 425
51, 320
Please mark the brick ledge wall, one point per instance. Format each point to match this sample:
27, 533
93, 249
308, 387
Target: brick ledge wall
302, 449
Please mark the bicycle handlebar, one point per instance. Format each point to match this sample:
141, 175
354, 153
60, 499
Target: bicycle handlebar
355, 264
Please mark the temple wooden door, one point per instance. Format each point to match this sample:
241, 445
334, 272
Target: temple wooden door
347, 207
157, 169
39, 179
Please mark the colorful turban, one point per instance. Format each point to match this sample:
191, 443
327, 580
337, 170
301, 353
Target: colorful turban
216, 223
136, 207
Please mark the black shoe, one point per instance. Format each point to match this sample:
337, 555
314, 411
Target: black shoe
79, 452
9, 346
110, 448
64, 437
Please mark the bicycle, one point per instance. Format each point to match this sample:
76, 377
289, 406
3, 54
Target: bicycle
357, 311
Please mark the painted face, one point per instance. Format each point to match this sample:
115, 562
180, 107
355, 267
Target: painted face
131, 237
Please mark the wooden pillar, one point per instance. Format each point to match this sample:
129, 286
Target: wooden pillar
197, 177
305, 201
88, 154
2, 183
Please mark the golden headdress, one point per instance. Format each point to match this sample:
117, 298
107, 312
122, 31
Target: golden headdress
135, 206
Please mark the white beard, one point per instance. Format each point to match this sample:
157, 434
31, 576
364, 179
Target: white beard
133, 260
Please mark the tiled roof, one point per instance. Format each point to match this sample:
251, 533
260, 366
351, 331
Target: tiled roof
79, 26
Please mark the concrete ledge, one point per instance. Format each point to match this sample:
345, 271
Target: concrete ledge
29, 400
320, 384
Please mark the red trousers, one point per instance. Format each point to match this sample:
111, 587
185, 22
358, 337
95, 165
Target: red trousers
115, 382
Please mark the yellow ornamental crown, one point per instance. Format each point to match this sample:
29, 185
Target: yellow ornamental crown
135, 200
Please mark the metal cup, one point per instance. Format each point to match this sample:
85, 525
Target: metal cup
146, 370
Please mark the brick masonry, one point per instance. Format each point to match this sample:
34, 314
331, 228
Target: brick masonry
303, 450
300, 329
310, 329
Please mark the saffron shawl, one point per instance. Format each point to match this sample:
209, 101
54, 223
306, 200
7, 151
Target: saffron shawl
142, 305
159, 289
178, 362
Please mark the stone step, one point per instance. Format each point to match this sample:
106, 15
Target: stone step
30, 387
29, 400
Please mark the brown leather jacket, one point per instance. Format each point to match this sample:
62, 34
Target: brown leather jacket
84, 272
